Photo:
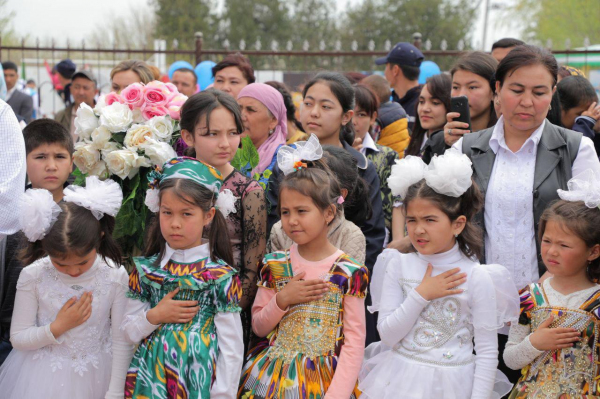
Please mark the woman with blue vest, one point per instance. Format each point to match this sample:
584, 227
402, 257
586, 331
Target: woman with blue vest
521, 162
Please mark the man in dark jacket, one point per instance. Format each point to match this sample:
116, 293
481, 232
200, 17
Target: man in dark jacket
21, 103
402, 69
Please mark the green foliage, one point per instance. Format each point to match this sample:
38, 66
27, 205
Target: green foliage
180, 19
246, 158
557, 20
131, 219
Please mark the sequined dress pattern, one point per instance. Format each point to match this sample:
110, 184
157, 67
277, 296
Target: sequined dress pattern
564, 373
299, 357
179, 360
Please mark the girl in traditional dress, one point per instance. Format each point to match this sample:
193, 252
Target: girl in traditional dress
435, 301
310, 301
70, 300
555, 342
185, 296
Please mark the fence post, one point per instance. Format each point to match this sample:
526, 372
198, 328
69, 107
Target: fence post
198, 36
417, 40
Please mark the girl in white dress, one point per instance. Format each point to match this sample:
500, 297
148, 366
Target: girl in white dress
435, 302
70, 300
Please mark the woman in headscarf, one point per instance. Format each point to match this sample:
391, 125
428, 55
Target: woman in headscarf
265, 122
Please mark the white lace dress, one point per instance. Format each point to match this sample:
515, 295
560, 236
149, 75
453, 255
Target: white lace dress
427, 346
90, 361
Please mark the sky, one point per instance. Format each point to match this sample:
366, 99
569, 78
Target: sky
76, 19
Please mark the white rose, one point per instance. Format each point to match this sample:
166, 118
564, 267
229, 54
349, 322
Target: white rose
85, 157
138, 117
137, 136
163, 127
99, 170
85, 121
158, 152
125, 163
109, 147
116, 117
100, 104
100, 137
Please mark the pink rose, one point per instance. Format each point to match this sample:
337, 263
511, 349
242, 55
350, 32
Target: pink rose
133, 95
171, 87
174, 111
149, 111
155, 97
177, 99
113, 98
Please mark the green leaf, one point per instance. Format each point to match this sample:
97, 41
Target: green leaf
267, 174
245, 155
79, 177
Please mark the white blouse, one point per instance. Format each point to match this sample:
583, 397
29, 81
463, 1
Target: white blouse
510, 227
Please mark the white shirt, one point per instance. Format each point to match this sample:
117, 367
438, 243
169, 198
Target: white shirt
227, 324
368, 143
10, 92
12, 170
510, 231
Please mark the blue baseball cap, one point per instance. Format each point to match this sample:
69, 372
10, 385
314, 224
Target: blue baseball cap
402, 54
66, 68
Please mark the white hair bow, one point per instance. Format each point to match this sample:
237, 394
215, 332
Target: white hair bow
39, 213
100, 197
583, 187
290, 159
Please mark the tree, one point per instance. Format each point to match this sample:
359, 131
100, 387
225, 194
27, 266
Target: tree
6, 32
557, 20
180, 19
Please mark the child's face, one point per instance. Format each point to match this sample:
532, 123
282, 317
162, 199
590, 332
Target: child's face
74, 265
563, 252
301, 219
568, 117
48, 167
430, 230
181, 222
321, 113
216, 147
362, 122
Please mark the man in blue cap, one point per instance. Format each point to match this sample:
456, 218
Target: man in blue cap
402, 72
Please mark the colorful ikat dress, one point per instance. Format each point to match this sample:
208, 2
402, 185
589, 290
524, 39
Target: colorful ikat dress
180, 360
312, 348
564, 373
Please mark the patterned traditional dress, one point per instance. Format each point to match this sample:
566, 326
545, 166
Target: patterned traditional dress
564, 373
299, 357
179, 360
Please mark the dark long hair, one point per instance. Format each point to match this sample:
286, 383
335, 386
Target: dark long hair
581, 221
343, 91
439, 87
470, 240
484, 65
201, 105
196, 195
290, 108
76, 231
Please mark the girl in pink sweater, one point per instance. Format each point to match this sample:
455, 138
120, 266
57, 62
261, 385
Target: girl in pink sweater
310, 301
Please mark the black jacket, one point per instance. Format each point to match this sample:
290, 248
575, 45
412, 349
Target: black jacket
373, 228
409, 103
435, 145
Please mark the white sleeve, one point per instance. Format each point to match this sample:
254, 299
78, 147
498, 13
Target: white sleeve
397, 315
519, 352
25, 334
12, 170
122, 350
378, 278
231, 355
586, 158
135, 324
458, 145
486, 363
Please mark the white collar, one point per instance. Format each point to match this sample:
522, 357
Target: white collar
445, 258
368, 143
10, 92
185, 255
497, 140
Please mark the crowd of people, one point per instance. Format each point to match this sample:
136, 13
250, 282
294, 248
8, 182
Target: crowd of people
385, 244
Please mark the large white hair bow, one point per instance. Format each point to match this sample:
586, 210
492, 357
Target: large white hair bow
100, 197
290, 159
583, 187
448, 174
39, 213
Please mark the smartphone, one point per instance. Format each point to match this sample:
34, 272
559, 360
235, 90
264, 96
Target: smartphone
461, 105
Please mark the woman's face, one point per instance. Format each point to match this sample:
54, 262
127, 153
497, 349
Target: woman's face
321, 113
362, 122
218, 145
476, 88
230, 80
258, 121
432, 112
123, 79
525, 97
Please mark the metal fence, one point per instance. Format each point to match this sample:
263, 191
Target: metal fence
280, 62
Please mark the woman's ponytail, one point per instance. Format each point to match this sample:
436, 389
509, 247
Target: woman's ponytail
218, 238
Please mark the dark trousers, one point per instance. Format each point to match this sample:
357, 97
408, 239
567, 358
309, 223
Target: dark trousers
512, 375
